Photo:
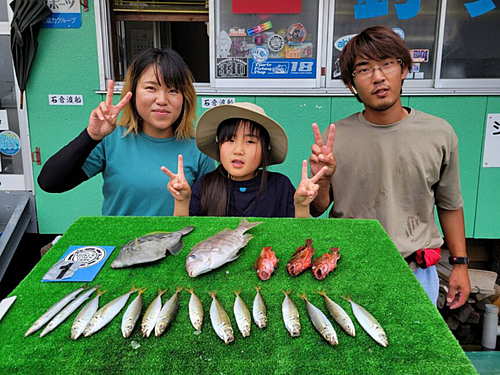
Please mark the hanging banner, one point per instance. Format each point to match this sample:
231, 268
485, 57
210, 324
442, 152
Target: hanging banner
267, 7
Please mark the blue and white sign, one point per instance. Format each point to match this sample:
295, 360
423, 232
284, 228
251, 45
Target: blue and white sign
283, 68
90, 260
10, 144
66, 14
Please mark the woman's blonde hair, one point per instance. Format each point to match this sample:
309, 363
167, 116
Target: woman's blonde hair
170, 68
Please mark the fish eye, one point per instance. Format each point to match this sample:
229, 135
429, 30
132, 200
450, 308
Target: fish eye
192, 256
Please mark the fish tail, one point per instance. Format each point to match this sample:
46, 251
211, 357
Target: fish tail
246, 225
160, 292
213, 294
101, 292
347, 298
186, 230
134, 289
237, 292
321, 292
258, 288
302, 296
286, 292
190, 290
178, 290
141, 291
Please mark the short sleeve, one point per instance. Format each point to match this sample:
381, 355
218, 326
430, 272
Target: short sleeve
448, 191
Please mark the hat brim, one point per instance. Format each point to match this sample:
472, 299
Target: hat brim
208, 123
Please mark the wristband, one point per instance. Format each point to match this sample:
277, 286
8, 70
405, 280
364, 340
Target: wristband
458, 260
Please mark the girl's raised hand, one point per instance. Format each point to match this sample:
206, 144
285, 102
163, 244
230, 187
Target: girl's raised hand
178, 185
308, 188
102, 120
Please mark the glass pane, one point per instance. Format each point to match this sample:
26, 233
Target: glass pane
136, 36
3, 10
471, 43
277, 45
10, 145
416, 25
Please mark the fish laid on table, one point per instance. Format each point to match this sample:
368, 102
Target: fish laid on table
132, 314
266, 263
151, 315
220, 320
242, 315
301, 259
320, 322
67, 311
84, 316
290, 315
339, 314
150, 247
106, 313
259, 309
168, 313
50, 313
369, 323
219, 249
325, 264
195, 310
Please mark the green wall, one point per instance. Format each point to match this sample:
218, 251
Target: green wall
66, 63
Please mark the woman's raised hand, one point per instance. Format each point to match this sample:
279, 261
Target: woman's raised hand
102, 120
308, 188
178, 185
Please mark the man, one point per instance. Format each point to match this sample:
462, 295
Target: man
394, 163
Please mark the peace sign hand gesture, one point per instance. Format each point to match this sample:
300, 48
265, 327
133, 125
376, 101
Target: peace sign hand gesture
178, 185
322, 155
308, 188
102, 120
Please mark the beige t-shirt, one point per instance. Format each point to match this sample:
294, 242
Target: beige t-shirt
396, 174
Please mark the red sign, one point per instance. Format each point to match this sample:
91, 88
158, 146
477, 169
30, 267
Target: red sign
267, 6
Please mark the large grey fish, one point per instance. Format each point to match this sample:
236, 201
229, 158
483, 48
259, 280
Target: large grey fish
151, 247
106, 313
320, 322
259, 309
84, 316
339, 315
168, 313
50, 313
195, 310
219, 249
220, 320
151, 315
291, 315
132, 314
67, 311
242, 315
369, 323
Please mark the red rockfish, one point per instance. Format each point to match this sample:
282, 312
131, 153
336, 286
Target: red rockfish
325, 264
266, 263
301, 259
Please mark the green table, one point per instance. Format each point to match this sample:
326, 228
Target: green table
370, 270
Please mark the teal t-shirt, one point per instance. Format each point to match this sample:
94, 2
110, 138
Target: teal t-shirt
134, 185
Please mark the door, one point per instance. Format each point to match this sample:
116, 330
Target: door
15, 155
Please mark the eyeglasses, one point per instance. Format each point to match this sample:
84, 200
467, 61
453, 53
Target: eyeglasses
386, 68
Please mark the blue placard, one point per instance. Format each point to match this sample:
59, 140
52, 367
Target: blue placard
92, 258
63, 21
283, 68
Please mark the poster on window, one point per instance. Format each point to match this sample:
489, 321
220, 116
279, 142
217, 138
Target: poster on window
283, 68
267, 7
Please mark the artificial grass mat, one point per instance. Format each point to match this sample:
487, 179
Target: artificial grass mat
370, 270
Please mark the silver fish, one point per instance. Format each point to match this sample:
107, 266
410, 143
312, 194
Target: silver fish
219, 249
151, 315
242, 315
259, 309
291, 315
50, 313
106, 313
151, 247
132, 314
195, 310
320, 322
67, 311
167, 313
369, 323
220, 320
339, 315
84, 316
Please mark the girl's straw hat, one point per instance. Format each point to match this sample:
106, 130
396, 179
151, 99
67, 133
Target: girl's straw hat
206, 130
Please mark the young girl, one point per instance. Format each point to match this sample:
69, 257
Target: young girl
159, 107
245, 141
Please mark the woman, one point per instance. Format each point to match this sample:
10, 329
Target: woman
159, 107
